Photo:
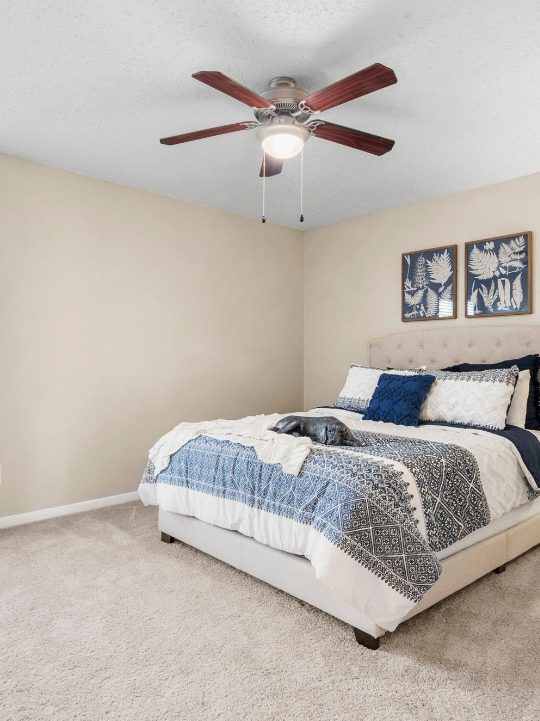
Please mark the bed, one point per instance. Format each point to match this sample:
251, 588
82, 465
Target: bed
483, 550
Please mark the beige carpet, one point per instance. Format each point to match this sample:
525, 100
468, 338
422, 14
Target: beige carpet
100, 620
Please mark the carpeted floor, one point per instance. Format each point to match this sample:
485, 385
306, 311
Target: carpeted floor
100, 620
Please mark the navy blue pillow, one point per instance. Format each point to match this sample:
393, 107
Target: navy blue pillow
527, 363
398, 399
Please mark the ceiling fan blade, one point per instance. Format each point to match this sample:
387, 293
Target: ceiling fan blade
208, 133
356, 139
363, 82
231, 87
273, 166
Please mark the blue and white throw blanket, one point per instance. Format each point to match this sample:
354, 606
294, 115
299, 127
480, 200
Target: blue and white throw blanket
371, 518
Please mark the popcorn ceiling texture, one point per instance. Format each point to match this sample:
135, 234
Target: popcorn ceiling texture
91, 87
103, 621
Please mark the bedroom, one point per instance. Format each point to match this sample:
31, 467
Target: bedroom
140, 290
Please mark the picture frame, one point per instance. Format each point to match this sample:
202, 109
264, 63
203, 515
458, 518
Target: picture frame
498, 276
429, 277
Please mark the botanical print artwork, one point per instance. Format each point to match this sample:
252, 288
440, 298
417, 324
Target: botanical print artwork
429, 284
499, 275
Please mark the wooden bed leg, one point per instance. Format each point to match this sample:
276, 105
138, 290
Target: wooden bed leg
500, 569
166, 538
364, 639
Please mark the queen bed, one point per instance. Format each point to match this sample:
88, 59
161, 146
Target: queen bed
487, 513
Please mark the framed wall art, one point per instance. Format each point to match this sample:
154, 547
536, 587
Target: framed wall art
498, 273
428, 284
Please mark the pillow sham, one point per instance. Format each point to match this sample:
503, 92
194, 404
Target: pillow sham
476, 398
528, 362
517, 413
360, 385
398, 398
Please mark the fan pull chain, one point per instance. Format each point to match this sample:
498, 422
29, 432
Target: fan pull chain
301, 184
263, 219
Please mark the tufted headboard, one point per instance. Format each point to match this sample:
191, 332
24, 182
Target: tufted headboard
441, 347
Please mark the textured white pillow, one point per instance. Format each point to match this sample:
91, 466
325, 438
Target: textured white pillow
518, 408
360, 386
475, 398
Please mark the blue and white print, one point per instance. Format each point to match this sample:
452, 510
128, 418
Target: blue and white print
428, 283
372, 518
448, 480
498, 276
358, 501
361, 505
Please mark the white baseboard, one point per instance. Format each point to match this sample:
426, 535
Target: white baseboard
32, 516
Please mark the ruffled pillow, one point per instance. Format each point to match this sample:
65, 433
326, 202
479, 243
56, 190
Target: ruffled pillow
528, 362
480, 398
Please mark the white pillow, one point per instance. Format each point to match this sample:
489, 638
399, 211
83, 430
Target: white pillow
474, 398
518, 407
360, 385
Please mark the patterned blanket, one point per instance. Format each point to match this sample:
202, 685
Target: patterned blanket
386, 505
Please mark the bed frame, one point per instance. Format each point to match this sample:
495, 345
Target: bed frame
295, 575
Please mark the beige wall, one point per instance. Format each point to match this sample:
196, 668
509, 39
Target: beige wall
352, 273
123, 313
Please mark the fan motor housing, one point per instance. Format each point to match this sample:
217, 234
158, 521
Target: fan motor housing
285, 94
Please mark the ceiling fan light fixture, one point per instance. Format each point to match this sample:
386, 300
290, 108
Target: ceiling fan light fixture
283, 141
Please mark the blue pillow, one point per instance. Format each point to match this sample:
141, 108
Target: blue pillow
398, 399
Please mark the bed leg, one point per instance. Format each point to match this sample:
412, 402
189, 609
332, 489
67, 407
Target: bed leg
364, 639
166, 538
500, 569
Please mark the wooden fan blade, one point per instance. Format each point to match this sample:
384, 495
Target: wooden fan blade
363, 82
231, 87
208, 133
356, 139
273, 166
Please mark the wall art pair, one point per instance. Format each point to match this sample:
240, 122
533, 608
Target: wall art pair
498, 279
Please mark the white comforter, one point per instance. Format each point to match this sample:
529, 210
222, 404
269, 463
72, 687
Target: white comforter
504, 481
500, 465
253, 431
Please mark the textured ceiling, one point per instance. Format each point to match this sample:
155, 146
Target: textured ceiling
91, 87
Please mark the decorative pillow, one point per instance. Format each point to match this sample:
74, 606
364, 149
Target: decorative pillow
528, 362
517, 413
360, 386
479, 398
398, 398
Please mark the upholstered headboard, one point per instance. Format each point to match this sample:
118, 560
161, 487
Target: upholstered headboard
441, 347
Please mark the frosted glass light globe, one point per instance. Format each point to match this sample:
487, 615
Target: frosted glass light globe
283, 145
283, 142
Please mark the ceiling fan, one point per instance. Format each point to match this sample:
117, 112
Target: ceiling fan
283, 114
